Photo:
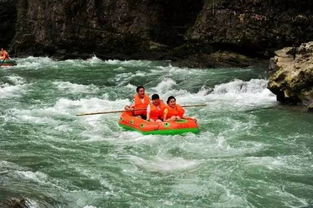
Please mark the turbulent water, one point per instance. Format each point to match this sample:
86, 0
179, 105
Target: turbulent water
250, 152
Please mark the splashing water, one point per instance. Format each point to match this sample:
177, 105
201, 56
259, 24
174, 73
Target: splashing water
250, 152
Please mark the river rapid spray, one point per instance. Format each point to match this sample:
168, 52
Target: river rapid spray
250, 152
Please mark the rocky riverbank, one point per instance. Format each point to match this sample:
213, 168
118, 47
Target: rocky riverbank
291, 75
191, 33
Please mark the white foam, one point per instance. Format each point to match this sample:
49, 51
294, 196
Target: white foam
269, 162
96, 104
237, 93
122, 79
16, 80
135, 137
130, 86
17, 89
35, 62
8, 165
34, 176
209, 187
134, 63
7, 91
94, 60
74, 63
119, 69
75, 88
164, 165
240, 93
253, 86
36, 119
178, 71
69, 108
164, 86
32, 203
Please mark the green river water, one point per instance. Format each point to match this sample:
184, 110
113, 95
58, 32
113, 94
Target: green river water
251, 152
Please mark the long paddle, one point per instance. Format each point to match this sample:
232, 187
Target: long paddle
121, 111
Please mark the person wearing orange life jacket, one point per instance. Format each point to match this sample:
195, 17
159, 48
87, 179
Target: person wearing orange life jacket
140, 103
4, 54
155, 109
173, 111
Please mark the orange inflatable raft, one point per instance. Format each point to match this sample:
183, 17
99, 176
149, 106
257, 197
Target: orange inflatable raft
7, 62
130, 122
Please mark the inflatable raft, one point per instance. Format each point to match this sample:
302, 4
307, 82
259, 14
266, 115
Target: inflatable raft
130, 122
8, 62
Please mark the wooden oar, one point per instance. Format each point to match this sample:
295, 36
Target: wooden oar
121, 111
107, 112
196, 105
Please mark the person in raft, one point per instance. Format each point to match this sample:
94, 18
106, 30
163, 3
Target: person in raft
173, 111
140, 103
155, 109
4, 54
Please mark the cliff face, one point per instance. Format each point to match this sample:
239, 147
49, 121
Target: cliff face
7, 23
161, 29
81, 26
291, 75
111, 28
256, 27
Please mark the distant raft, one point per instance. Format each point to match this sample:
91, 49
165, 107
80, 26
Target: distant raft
131, 122
8, 62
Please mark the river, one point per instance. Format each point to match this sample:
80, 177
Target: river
251, 152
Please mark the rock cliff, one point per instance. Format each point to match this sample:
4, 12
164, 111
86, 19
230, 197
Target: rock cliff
8, 19
190, 32
291, 75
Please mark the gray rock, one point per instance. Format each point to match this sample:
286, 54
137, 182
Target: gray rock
291, 75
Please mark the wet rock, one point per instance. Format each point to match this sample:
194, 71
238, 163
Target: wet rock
310, 108
14, 203
291, 75
216, 59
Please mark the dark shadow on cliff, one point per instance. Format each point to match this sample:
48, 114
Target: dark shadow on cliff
8, 15
176, 17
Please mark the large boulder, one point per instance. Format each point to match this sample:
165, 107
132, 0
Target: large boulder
291, 75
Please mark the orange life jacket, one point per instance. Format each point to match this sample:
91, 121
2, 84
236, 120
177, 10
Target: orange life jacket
176, 111
5, 55
141, 104
156, 112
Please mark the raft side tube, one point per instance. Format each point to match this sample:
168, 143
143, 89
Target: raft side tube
129, 122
